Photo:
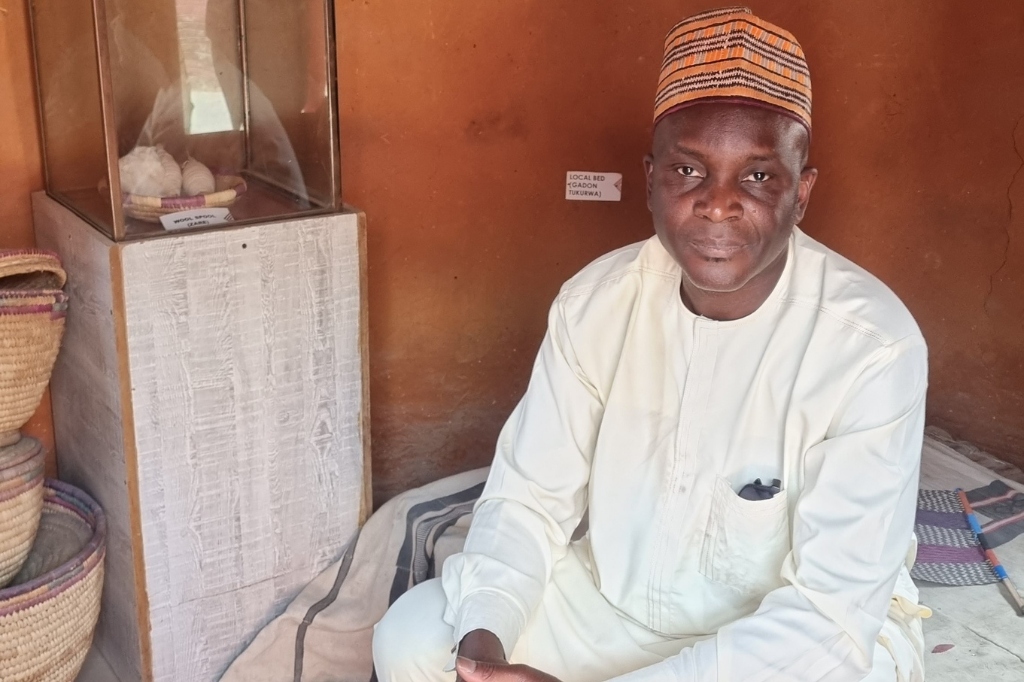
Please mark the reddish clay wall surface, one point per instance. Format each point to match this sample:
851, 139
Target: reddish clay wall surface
460, 119
21, 171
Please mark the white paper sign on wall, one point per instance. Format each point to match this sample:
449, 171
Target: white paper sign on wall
590, 186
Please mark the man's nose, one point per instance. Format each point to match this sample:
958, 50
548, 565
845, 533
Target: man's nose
719, 203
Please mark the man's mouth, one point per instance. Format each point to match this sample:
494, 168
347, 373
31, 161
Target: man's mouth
717, 250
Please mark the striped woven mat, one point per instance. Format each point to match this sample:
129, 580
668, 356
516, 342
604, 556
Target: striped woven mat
948, 552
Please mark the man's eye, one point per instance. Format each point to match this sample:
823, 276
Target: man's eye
688, 171
758, 176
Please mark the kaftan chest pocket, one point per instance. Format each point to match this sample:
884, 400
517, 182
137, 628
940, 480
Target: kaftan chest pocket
746, 541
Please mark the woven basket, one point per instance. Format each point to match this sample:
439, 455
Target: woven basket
227, 189
21, 503
32, 310
49, 614
19, 299
31, 270
30, 334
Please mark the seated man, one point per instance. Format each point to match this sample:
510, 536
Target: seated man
735, 409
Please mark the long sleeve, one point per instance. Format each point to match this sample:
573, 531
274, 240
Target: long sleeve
534, 498
851, 530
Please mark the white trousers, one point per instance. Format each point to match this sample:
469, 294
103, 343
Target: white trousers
574, 635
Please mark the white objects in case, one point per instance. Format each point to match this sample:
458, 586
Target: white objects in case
196, 178
171, 185
142, 172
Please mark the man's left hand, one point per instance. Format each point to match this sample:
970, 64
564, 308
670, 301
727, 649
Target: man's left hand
478, 671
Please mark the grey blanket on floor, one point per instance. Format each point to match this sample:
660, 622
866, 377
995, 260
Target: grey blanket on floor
324, 635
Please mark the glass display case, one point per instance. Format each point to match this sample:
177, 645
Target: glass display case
164, 115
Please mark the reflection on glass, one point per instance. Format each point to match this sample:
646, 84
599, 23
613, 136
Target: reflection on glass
206, 105
69, 102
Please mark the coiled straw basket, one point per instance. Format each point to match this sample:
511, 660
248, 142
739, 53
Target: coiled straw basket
49, 614
149, 209
32, 311
21, 503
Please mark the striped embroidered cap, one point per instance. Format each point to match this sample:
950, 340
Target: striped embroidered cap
729, 54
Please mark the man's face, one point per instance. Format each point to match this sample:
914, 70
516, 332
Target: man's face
725, 185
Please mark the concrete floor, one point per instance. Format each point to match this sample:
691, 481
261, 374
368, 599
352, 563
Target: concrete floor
975, 633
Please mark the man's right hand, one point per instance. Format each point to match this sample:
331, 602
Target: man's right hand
482, 645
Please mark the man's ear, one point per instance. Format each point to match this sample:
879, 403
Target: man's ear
807, 177
649, 175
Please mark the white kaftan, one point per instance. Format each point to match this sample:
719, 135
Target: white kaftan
650, 419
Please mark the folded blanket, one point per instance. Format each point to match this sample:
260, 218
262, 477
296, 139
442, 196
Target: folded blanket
325, 634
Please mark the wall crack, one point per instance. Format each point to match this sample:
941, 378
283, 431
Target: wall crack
1009, 221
